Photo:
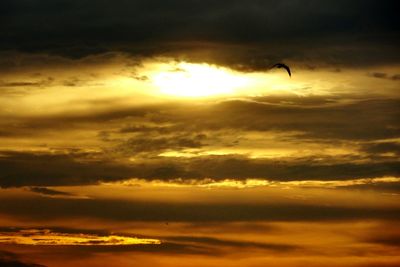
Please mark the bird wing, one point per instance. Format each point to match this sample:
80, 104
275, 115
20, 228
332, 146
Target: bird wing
277, 65
287, 69
281, 65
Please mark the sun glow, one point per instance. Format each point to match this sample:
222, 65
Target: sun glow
198, 80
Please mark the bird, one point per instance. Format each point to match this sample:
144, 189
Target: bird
281, 65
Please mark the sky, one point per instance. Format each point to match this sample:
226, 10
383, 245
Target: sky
156, 133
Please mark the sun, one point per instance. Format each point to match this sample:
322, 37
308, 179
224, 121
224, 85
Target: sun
197, 80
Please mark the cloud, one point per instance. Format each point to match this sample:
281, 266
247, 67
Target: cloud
63, 169
9, 259
158, 144
46, 237
396, 77
18, 84
379, 264
321, 118
220, 243
26, 169
385, 236
47, 191
391, 148
383, 75
131, 141
46, 209
392, 240
346, 121
389, 187
39, 83
247, 35
50, 192
87, 240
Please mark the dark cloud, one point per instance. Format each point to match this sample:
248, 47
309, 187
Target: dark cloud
45, 209
385, 236
169, 248
314, 118
386, 240
396, 77
49, 192
383, 75
169, 244
18, 84
42, 82
371, 119
15, 87
359, 120
211, 241
383, 148
9, 259
159, 144
388, 187
73, 81
146, 131
379, 264
25, 169
62, 169
243, 34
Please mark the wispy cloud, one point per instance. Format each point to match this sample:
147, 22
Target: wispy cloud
50, 238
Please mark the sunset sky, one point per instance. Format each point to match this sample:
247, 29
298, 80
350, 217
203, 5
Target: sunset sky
155, 133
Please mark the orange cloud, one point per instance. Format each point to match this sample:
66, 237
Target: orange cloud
48, 237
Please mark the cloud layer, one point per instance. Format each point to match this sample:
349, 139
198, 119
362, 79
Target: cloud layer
247, 35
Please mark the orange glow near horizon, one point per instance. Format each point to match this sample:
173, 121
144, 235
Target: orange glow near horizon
48, 237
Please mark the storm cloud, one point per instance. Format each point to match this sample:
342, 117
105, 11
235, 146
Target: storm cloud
242, 34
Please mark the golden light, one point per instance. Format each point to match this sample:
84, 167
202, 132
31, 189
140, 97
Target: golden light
198, 80
48, 237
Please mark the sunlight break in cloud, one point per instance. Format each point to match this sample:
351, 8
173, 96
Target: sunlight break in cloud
250, 183
197, 80
48, 237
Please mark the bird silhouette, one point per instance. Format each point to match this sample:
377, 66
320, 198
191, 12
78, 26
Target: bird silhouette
281, 65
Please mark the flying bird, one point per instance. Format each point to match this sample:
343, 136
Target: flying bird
281, 65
